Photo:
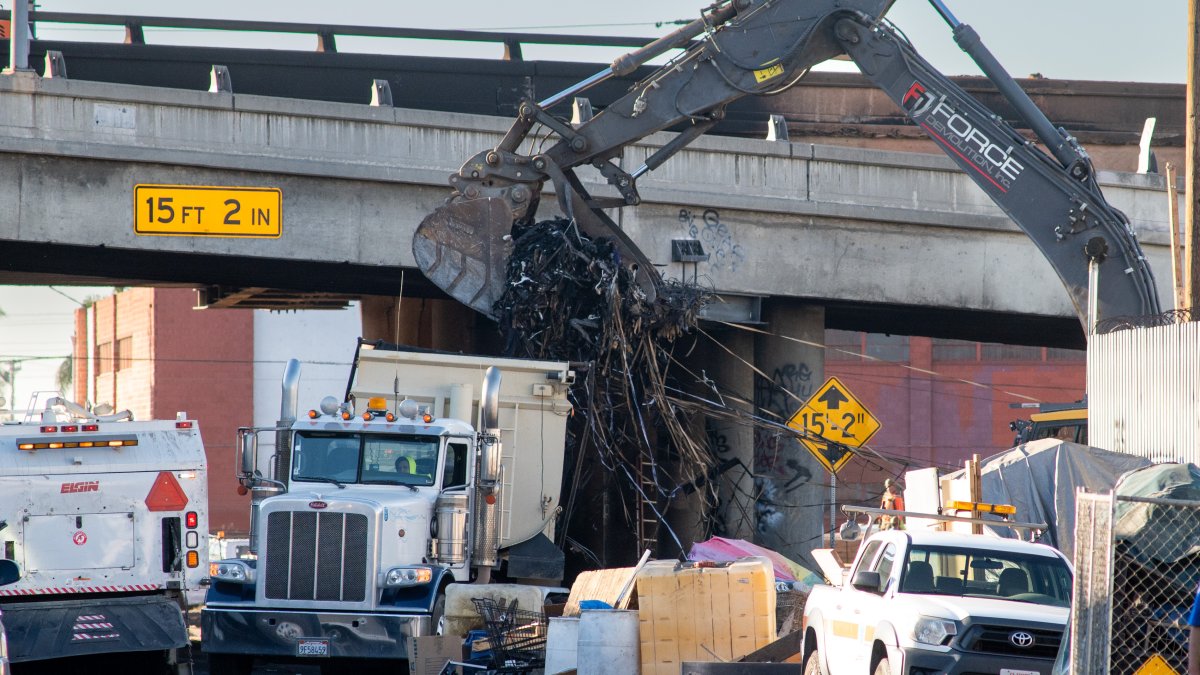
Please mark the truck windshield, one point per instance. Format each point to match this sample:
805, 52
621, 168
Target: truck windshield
392, 459
978, 573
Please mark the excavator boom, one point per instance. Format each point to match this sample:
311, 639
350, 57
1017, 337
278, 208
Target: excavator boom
743, 48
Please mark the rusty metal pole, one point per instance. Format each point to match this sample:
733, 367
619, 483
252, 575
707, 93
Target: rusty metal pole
1177, 253
976, 492
1191, 263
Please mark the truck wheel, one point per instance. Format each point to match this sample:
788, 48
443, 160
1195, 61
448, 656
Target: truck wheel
812, 665
230, 664
437, 617
883, 667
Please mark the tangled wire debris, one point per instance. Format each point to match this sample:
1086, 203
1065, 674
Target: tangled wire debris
570, 299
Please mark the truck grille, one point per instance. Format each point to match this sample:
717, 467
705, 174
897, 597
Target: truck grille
316, 556
998, 640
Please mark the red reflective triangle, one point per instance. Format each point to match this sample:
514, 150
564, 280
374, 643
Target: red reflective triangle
165, 494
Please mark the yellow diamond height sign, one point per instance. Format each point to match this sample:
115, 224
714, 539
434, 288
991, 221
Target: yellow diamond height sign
834, 414
1156, 665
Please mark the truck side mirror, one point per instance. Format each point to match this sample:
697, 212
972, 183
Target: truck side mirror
249, 449
866, 581
9, 572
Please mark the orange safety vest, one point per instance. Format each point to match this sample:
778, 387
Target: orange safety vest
892, 502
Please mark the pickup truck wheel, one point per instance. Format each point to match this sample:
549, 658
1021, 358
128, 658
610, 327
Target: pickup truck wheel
812, 665
883, 667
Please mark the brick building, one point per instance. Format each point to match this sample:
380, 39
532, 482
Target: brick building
940, 401
155, 355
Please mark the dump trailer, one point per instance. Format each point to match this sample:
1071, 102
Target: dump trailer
433, 469
106, 522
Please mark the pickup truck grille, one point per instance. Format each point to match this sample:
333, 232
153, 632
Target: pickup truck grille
999, 640
316, 556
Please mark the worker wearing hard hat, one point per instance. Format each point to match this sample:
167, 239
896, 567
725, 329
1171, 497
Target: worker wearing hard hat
893, 500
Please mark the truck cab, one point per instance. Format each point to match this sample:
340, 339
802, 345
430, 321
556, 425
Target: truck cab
370, 505
920, 603
1063, 421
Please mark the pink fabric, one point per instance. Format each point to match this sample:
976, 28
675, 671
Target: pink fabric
720, 549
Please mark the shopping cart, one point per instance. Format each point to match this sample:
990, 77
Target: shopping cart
517, 637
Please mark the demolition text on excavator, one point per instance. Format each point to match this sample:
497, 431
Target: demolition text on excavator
950, 126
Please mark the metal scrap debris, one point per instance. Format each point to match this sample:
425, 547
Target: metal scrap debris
568, 298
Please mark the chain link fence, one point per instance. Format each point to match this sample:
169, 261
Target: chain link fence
1137, 566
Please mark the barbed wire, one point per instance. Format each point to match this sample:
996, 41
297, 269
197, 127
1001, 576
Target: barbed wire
1168, 318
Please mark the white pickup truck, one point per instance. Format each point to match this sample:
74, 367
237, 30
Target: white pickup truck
922, 602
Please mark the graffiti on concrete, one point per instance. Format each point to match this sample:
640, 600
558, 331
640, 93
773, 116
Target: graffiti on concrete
724, 252
768, 518
778, 469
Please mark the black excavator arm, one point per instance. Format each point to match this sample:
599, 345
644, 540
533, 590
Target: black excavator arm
755, 47
1054, 198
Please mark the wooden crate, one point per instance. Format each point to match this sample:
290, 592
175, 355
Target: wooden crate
703, 612
603, 585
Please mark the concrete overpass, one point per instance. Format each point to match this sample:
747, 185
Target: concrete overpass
905, 235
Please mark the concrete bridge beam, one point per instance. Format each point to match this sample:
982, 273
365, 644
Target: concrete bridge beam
829, 224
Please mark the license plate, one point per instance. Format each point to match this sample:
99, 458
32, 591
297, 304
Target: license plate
321, 648
1010, 671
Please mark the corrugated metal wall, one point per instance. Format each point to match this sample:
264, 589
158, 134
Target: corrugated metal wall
1144, 392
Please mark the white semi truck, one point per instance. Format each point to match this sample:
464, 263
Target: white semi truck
373, 503
104, 520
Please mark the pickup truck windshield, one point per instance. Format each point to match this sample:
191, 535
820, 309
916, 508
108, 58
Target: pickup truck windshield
977, 573
392, 459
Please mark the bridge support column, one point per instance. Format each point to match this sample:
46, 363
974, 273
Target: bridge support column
727, 364
735, 380
792, 486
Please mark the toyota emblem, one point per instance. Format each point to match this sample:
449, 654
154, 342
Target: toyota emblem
1021, 639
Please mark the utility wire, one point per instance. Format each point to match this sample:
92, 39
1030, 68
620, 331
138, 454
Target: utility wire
868, 357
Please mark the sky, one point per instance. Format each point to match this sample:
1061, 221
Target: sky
1061, 39
35, 335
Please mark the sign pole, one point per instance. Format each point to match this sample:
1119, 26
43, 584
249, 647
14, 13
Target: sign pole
832, 509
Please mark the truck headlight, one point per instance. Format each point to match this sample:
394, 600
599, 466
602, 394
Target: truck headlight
232, 571
933, 631
408, 576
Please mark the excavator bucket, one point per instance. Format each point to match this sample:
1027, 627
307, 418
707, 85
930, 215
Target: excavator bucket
463, 248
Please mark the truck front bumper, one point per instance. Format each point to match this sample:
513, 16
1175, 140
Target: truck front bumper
926, 662
290, 633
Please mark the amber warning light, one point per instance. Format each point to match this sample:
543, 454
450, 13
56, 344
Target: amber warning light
999, 509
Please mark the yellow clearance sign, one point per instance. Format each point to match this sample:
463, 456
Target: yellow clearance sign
834, 414
1155, 665
207, 211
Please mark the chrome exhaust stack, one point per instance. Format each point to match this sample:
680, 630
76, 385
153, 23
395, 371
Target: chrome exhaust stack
261, 487
488, 476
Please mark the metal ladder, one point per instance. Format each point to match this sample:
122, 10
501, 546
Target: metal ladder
647, 519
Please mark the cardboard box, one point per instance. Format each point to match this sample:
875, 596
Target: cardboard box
428, 655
